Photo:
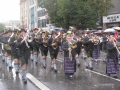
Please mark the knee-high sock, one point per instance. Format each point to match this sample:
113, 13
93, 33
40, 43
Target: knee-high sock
3, 57
31, 56
9, 62
6, 59
90, 63
54, 65
44, 61
77, 60
24, 71
16, 66
35, 58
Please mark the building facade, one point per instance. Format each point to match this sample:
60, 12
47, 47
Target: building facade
113, 17
24, 14
43, 18
37, 15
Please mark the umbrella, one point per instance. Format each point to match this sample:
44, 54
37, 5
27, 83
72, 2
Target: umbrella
117, 28
100, 31
109, 30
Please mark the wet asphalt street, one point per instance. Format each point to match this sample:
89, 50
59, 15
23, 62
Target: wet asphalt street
83, 79
9, 80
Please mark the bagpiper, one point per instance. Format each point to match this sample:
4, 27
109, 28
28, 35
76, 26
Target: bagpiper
43, 47
70, 53
112, 66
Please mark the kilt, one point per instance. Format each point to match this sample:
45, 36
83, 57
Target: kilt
9, 52
53, 53
35, 49
112, 66
69, 66
23, 60
15, 55
60, 49
44, 52
54, 56
96, 53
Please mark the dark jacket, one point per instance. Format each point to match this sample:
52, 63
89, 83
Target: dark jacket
13, 45
111, 50
88, 45
23, 50
50, 40
65, 47
41, 44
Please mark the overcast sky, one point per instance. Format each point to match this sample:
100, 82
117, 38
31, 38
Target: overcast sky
9, 10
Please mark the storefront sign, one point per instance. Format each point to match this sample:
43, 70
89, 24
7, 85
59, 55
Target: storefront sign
111, 18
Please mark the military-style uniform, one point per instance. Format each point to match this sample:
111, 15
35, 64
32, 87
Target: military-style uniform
35, 45
24, 54
8, 49
88, 46
53, 51
44, 50
14, 51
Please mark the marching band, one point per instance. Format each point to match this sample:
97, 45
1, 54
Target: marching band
18, 46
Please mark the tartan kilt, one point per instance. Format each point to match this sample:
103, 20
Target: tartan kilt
69, 66
95, 53
112, 66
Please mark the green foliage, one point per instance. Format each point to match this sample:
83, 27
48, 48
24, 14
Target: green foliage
2, 26
78, 13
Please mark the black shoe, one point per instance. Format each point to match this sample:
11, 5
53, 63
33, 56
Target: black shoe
36, 63
3, 60
10, 67
91, 68
115, 77
78, 64
44, 66
25, 81
52, 68
108, 74
17, 72
55, 70
87, 67
70, 77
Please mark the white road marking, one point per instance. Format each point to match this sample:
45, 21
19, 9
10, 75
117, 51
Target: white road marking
61, 60
103, 75
40, 85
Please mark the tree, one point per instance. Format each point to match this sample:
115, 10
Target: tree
78, 13
2, 26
